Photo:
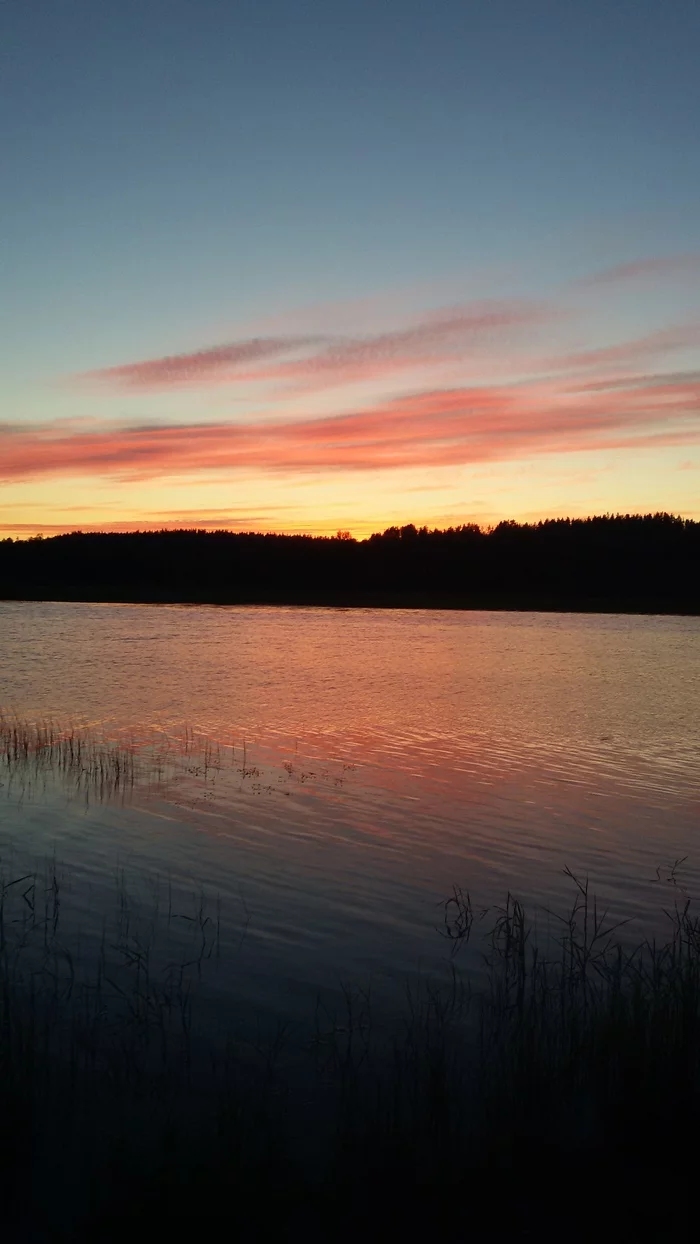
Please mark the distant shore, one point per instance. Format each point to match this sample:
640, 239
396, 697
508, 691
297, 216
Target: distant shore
610, 564
363, 600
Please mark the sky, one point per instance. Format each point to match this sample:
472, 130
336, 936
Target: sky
309, 265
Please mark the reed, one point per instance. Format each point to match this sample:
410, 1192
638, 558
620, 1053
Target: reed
30, 751
578, 1057
539, 1093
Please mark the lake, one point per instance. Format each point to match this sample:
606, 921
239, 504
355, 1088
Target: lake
325, 777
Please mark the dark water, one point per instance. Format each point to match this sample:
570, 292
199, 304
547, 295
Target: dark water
325, 776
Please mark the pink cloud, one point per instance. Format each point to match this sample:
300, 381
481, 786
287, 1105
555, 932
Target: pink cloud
177, 370
660, 266
605, 397
439, 427
446, 338
473, 333
324, 360
637, 350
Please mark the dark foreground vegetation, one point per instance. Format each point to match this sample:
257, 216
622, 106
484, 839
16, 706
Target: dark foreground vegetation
549, 1090
635, 563
559, 1100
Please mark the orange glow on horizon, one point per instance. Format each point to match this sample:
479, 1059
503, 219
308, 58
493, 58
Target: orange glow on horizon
517, 409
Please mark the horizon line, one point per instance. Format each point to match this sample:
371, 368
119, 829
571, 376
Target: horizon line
346, 534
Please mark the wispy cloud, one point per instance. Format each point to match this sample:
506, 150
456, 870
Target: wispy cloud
637, 351
657, 266
199, 367
447, 336
320, 360
478, 382
455, 344
245, 520
431, 428
274, 518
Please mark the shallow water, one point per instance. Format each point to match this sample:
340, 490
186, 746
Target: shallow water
329, 775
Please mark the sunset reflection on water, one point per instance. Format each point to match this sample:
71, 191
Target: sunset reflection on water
330, 775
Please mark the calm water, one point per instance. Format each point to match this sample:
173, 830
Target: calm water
331, 774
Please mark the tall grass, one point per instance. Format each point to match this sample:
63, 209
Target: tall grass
590, 1035
97, 766
577, 1064
556, 1090
31, 750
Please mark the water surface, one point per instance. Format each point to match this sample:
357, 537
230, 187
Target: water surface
331, 774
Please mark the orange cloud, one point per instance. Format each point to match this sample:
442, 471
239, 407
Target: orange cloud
439, 427
245, 520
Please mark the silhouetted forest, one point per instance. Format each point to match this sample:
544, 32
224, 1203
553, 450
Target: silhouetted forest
644, 563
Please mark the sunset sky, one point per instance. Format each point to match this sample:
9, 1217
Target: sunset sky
302, 265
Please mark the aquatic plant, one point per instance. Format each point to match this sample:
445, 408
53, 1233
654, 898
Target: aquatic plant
579, 1057
30, 750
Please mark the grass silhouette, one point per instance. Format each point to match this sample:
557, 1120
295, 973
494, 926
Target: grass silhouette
577, 1059
556, 1089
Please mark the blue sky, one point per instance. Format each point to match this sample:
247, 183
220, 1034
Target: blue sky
183, 175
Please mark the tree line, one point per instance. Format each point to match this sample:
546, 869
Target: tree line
645, 562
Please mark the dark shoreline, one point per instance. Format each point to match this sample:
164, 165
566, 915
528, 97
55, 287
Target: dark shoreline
632, 564
372, 601
368, 600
